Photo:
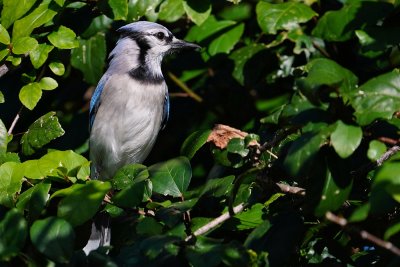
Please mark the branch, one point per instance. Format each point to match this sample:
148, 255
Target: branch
10, 130
185, 88
216, 222
389, 153
291, 189
362, 233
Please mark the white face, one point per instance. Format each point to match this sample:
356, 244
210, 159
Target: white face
159, 41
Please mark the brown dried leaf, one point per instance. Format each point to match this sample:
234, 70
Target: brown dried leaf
222, 134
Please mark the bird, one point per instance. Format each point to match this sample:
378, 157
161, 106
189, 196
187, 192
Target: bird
129, 106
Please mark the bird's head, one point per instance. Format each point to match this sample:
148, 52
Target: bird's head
154, 39
141, 48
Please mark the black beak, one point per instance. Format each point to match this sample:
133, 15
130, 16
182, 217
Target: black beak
180, 45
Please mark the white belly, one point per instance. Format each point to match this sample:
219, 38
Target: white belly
126, 125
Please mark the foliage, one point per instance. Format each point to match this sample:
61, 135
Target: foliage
316, 85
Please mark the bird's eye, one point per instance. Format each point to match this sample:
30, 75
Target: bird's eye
160, 35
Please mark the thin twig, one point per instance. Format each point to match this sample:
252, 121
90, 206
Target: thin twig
321, 50
216, 222
389, 153
363, 234
16, 118
388, 140
185, 88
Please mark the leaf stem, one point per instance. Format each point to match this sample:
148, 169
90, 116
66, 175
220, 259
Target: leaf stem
185, 88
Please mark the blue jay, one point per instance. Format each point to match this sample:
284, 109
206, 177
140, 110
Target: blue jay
129, 106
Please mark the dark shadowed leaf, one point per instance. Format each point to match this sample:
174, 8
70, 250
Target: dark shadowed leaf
171, 177
13, 232
89, 57
54, 237
41, 132
194, 142
131, 196
128, 175
34, 200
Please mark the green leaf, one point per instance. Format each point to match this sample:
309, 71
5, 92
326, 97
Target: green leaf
4, 36
3, 138
34, 200
63, 38
225, 42
376, 149
339, 25
40, 54
4, 53
41, 15
13, 10
57, 68
1, 100
54, 237
140, 8
241, 56
47, 83
149, 226
378, 98
24, 45
68, 160
119, 9
210, 27
171, 10
171, 177
30, 95
303, 150
392, 230
324, 71
128, 175
89, 58
40, 133
13, 232
218, 187
336, 188
130, 196
360, 214
194, 142
385, 188
11, 175
197, 11
9, 157
286, 16
345, 139
250, 218
82, 201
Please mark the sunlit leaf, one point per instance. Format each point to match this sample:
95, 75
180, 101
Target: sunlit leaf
40, 54
13, 10
24, 45
41, 132
30, 95
11, 175
345, 139
63, 38
197, 11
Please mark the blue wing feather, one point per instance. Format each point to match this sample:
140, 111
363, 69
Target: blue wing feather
165, 111
95, 101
